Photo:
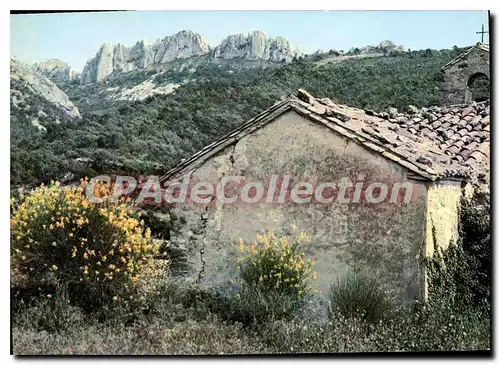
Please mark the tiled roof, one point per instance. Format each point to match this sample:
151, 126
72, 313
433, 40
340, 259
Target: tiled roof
483, 47
461, 131
453, 142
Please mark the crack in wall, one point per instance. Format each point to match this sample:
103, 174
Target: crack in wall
204, 219
232, 160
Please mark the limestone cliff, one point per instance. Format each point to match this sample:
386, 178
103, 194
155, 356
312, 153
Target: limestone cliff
256, 45
57, 71
119, 58
182, 45
27, 84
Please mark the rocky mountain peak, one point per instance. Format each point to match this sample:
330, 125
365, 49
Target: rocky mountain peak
56, 70
256, 45
387, 44
184, 44
120, 58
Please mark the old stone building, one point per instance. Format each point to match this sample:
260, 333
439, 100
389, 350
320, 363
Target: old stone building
464, 72
435, 153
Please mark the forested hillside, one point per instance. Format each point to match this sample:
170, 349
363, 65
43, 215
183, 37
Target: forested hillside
152, 135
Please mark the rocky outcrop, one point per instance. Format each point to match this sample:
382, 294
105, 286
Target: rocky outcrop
56, 70
26, 80
385, 47
182, 45
256, 46
119, 58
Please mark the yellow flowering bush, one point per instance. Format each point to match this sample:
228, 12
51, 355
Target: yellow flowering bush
57, 235
275, 262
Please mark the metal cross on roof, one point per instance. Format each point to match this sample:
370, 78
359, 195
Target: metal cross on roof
482, 32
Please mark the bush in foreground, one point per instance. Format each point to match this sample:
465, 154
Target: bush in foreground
94, 251
276, 263
357, 295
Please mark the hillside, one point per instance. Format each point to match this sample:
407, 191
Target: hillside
153, 134
120, 89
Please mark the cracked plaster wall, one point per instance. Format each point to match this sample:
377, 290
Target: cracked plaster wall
385, 239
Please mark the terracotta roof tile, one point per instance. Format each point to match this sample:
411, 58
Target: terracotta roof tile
446, 125
463, 132
475, 120
465, 153
425, 131
467, 111
436, 124
446, 117
477, 127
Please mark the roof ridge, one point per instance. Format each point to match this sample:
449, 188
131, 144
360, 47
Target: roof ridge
465, 53
276, 109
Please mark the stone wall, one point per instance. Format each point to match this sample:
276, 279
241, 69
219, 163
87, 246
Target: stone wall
385, 239
456, 77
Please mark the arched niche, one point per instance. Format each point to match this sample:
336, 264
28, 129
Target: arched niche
478, 87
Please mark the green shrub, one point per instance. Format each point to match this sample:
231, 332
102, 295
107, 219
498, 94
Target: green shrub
358, 295
97, 251
275, 263
437, 326
253, 305
475, 233
178, 301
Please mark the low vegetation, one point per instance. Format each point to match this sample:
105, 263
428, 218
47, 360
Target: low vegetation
163, 315
358, 295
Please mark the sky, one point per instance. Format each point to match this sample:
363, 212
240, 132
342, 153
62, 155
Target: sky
76, 37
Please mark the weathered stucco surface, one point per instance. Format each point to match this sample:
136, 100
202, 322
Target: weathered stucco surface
456, 77
385, 239
442, 230
443, 205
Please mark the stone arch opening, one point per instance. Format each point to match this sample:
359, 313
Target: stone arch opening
478, 88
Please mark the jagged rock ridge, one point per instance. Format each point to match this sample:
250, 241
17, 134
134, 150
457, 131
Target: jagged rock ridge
56, 70
256, 45
120, 58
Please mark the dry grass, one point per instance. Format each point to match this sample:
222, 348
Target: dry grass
142, 338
